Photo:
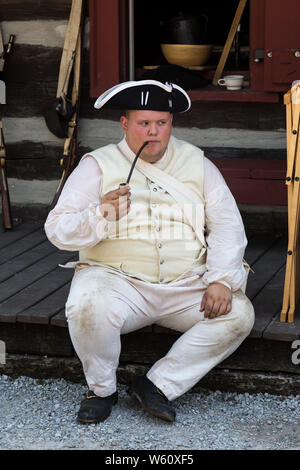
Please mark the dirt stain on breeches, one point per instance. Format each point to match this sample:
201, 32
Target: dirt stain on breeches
95, 291
88, 311
234, 329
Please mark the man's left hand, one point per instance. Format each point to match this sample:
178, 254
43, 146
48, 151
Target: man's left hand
216, 301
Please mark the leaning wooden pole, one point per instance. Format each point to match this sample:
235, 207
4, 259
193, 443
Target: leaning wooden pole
235, 23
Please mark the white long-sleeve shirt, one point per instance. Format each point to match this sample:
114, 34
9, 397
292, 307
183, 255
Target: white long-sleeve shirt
76, 222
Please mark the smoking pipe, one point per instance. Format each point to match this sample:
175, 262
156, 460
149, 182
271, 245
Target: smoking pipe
134, 162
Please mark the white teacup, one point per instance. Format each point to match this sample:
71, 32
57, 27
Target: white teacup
232, 82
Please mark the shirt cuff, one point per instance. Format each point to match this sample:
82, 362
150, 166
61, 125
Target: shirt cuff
224, 284
234, 280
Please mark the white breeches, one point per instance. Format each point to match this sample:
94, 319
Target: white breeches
103, 304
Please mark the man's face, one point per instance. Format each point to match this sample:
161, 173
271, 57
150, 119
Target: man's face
152, 126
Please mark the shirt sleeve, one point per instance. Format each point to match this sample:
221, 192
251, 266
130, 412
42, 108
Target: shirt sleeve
225, 233
76, 223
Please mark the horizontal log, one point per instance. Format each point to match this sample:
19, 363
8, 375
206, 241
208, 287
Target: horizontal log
26, 150
18, 10
37, 161
31, 212
243, 153
31, 63
252, 191
38, 169
260, 116
252, 168
264, 219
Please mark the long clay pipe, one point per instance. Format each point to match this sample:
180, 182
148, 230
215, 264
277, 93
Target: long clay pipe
134, 162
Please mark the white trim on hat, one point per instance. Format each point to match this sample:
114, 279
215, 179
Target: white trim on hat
184, 93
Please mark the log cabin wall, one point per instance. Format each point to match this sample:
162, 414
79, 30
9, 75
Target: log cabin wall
252, 134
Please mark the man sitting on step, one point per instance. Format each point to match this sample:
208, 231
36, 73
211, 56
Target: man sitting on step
165, 249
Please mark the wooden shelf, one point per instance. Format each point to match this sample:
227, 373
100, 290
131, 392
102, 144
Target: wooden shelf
213, 93
192, 67
218, 93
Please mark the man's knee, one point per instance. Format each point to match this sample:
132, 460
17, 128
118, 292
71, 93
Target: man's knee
244, 313
94, 308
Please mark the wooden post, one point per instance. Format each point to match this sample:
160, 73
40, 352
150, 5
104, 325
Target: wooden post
291, 288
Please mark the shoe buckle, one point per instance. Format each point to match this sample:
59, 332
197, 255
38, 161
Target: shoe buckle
88, 397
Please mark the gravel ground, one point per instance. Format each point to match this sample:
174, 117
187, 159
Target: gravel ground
41, 414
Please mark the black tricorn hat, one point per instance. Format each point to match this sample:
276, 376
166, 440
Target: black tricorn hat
150, 95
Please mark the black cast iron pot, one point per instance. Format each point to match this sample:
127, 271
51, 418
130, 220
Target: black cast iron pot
185, 29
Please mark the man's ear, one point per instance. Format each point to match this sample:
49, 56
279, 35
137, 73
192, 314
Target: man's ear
124, 123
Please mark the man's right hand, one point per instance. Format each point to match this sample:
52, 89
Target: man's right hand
115, 204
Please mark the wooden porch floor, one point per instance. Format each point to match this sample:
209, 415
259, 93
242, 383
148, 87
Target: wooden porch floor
33, 288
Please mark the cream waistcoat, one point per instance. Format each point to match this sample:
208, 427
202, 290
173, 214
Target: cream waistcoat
154, 242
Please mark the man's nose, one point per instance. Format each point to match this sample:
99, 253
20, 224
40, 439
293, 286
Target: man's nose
153, 129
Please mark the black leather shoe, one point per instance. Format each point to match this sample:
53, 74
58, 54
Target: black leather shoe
95, 409
152, 399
